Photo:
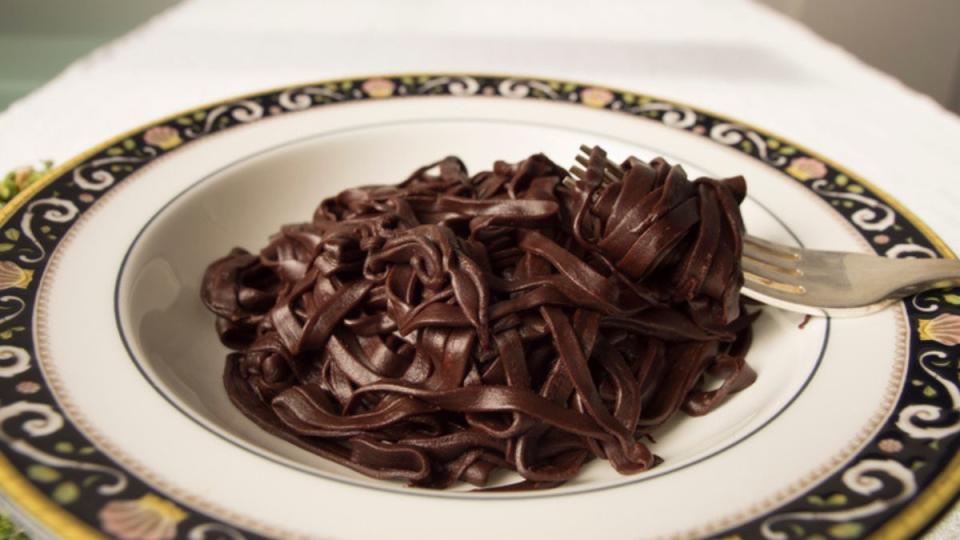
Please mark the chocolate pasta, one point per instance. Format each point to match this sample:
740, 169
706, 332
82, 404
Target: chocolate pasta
441, 329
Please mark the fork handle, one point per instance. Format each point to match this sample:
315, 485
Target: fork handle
921, 274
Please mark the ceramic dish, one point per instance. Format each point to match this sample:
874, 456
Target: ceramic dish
114, 420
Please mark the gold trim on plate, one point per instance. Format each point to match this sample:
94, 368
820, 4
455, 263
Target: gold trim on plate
40, 507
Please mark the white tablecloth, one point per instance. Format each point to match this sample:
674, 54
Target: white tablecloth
734, 57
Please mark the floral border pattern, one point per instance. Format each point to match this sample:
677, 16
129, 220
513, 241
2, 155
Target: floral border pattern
910, 450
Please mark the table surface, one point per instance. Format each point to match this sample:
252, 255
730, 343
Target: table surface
734, 57
40, 39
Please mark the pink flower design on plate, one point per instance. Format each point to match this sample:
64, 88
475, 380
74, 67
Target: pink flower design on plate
146, 518
379, 88
28, 387
805, 168
596, 97
943, 328
890, 446
163, 136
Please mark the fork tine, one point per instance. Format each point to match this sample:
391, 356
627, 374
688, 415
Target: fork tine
763, 249
608, 175
772, 270
770, 287
614, 169
617, 171
611, 176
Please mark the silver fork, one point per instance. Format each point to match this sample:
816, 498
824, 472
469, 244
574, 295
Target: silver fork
815, 282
